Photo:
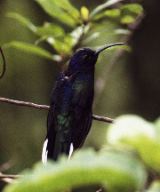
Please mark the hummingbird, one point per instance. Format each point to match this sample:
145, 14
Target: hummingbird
70, 115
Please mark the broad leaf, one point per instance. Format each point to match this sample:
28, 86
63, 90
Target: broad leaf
111, 13
128, 127
133, 132
33, 49
128, 19
133, 8
60, 45
22, 20
130, 12
53, 8
102, 7
157, 127
64, 45
154, 187
50, 29
69, 8
117, 172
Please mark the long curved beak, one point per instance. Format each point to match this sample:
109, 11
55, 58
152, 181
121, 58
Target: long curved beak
99, 50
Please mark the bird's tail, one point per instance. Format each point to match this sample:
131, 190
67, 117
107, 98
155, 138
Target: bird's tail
53, 149
44, 152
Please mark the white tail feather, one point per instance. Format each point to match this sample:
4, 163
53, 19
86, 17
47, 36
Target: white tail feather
70, 150
44, 152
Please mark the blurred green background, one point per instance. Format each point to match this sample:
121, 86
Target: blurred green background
132, 86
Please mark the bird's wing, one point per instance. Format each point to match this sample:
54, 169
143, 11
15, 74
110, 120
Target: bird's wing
82, 105
74, 120
49, 144
54, 99
82, 129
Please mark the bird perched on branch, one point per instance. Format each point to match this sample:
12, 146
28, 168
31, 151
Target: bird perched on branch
70, 114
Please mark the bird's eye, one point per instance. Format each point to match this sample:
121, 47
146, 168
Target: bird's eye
84, 56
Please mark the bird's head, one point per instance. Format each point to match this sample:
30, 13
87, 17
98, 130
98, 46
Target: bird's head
84, 59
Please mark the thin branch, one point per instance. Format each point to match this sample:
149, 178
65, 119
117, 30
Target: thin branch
103, 118
99, 190
46, 107
3, 64
23, 103
8, 178
80, 38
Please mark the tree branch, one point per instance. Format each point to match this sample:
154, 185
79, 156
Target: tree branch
23, 103
8, 178
102, 118
46, 107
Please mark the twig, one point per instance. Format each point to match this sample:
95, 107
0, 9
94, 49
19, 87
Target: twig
4, 64
103, 118
99, 190
80, 38
46, 107
8, 178
23, 103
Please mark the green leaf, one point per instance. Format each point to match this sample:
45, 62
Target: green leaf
157, 127
102, 7
111, 13
69, 8
133, 132
128, 127
133, 8
60, 45
50, 29
33, 49
54, 9
65, 44
129, 12
128, 19
154, 187
22, 20
115, 171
